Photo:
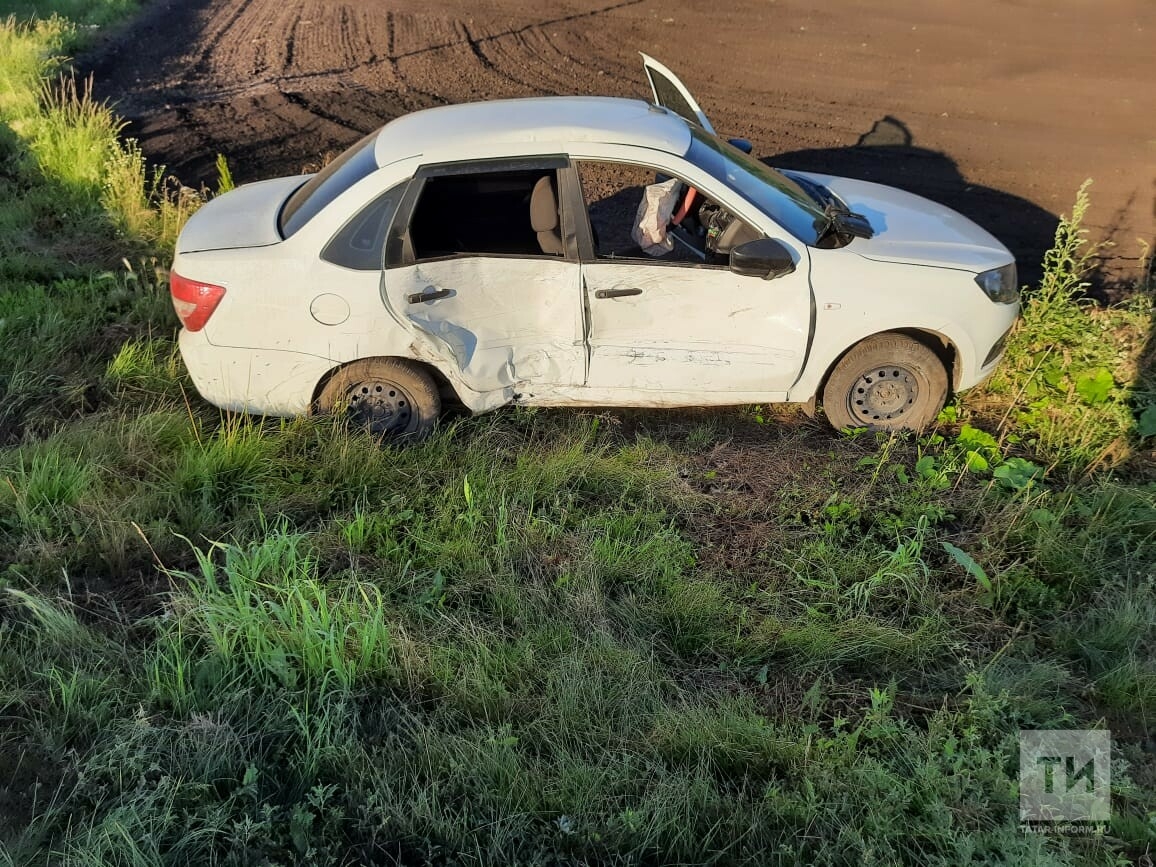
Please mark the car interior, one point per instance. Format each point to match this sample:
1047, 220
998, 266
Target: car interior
519, 213
702, 231
510, 213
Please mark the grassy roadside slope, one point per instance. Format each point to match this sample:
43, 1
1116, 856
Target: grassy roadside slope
540, 637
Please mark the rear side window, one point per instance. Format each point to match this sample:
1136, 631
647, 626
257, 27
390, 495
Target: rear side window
359, 243
329, 183
477, 215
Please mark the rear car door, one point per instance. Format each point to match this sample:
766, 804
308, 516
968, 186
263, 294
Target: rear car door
481, 266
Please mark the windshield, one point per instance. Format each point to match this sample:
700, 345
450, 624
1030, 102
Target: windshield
329, 183
772, 192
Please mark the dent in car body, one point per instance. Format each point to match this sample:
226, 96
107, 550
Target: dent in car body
503, 321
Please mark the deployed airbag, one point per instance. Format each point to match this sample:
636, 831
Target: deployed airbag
653, 218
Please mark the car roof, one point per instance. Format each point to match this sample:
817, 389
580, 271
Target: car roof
529, 126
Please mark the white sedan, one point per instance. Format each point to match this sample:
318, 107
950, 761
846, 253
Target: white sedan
572, 251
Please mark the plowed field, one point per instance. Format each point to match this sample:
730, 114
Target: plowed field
997, 108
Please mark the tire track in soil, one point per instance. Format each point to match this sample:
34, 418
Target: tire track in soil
517, 51
495, 62
301, 101
211, 39
306, 76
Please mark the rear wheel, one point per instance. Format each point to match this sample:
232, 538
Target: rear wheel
887, 382
389, 397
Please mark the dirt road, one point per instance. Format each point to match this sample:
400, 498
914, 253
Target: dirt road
1000, 108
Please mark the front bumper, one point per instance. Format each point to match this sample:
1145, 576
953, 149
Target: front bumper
989, 341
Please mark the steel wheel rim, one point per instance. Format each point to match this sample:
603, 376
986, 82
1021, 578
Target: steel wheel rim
883, 393
383, 407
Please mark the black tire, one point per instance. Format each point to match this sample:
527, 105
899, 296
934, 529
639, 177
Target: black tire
887, 382
389, 397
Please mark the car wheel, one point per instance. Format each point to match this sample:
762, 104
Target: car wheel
887, 382
389, 397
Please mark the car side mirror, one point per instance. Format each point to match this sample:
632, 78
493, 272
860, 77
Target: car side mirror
742, 144
762, 257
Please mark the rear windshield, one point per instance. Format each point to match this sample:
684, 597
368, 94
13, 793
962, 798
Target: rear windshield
776, 195
329, 183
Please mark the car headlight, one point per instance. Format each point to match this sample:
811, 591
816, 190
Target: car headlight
1000, 284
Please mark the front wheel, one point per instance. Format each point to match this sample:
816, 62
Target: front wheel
389, 397
887, 382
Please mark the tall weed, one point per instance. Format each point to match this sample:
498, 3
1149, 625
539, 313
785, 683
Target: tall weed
1064, 388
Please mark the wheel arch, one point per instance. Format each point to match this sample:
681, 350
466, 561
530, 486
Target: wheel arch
449, 395
942, 345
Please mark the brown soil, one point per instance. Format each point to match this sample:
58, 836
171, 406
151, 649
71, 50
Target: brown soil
999, 109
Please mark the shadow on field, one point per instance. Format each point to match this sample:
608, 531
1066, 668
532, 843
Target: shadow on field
887, 154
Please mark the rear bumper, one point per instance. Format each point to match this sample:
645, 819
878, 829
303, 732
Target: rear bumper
258, 381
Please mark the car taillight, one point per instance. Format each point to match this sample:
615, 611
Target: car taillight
194, 301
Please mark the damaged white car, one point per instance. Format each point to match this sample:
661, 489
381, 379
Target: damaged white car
575, 251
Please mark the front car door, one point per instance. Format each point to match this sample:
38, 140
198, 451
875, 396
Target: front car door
481, 265
681, 327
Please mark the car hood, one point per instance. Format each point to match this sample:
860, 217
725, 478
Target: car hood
914, 230
244, 217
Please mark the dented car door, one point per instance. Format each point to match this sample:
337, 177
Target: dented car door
479, 286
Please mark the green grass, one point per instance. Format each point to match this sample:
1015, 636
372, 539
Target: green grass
28, 52
538, 637
519, 639
73, 196
93, 13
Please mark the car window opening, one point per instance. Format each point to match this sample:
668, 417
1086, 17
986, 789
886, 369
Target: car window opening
502, 213
623, 202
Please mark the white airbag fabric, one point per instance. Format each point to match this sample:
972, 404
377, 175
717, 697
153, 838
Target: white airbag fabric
654, 213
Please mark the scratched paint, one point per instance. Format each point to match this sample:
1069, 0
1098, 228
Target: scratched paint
695, 328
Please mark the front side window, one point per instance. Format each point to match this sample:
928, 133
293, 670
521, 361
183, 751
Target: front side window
347, 169
637, 213
668, 95
359, 243
492, 213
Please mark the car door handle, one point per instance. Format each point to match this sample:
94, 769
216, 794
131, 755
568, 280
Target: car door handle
616, 293
428, 294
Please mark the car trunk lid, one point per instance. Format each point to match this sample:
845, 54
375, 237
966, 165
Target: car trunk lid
244, 217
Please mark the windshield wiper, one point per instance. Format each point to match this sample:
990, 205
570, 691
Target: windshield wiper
817, 193
837, 219
841, 223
